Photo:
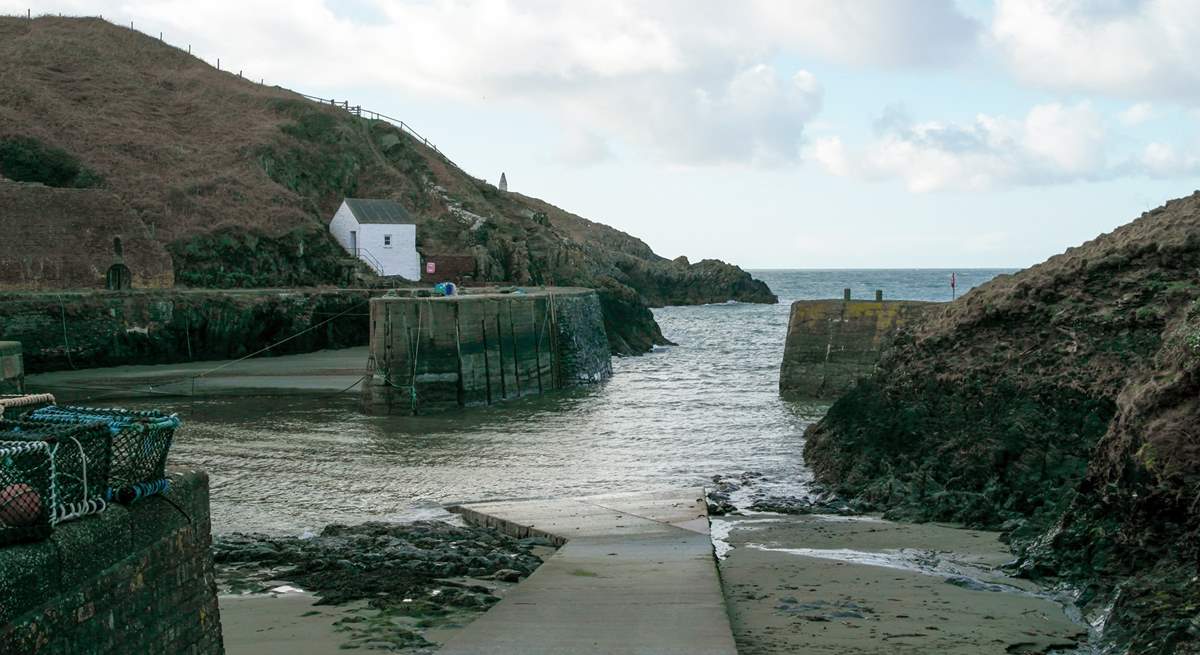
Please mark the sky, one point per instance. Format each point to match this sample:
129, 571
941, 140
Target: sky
772, 134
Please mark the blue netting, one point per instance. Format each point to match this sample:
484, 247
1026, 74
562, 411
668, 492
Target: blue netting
141, 441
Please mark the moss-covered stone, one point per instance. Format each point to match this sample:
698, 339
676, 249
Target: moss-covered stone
29, 574
242, 258
143, 327
79, 558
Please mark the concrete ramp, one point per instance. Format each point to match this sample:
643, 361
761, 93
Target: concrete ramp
636, 576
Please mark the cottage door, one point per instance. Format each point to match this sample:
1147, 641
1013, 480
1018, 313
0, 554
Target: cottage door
354, 242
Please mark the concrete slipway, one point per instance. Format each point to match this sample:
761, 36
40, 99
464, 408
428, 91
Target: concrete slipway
636, 576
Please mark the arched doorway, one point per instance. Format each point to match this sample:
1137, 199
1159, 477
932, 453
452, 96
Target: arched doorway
118, 277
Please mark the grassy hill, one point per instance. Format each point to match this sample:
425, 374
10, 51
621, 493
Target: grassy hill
238, 180
1062, 405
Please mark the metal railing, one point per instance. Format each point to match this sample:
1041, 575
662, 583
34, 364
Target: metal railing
366, 256
357, 110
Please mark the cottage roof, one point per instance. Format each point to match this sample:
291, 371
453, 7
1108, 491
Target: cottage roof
388, 212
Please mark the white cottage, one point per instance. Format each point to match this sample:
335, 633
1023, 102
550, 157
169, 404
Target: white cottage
379, 232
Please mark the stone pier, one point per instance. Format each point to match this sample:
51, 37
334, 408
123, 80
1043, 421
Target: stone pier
12, 367
832, 343
481, 348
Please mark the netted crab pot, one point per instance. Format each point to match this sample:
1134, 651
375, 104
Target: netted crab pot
50, 474
141, 440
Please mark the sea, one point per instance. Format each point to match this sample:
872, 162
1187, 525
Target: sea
708, 406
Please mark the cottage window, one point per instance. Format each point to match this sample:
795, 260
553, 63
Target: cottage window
387, 240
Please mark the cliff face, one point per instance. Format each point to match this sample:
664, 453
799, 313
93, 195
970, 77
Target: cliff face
238, 180
1059, 404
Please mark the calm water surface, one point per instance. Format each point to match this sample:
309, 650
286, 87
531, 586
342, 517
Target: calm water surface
676, 416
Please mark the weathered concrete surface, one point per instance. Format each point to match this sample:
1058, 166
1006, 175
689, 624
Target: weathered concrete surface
637, 575
481, 348
832, 343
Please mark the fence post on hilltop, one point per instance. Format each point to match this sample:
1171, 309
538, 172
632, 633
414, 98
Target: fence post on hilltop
218, 63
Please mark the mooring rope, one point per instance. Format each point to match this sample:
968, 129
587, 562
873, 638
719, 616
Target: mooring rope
66, 342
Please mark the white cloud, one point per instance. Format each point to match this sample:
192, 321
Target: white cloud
1052, 143
1144, 48
690, 80
1137, 114
888, 33
582, 148
1161, 160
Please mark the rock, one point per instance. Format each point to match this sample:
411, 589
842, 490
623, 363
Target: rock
507, 575
1058, 404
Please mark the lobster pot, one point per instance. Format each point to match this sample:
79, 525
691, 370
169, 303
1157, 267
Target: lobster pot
140, 443
13, 406
50, 474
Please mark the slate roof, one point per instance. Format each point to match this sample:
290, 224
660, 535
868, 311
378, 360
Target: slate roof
388, 212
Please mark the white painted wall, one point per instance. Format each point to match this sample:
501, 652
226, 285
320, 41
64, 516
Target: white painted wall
398, 258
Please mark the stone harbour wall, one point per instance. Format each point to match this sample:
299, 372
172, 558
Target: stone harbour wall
435, 354
12, 367
832, 343
127, 580
83, 329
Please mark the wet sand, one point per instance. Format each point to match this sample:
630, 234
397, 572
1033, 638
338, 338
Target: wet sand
823, 584
323, 372
293, 624
287, 624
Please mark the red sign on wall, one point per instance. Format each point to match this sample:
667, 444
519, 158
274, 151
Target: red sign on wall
430, 267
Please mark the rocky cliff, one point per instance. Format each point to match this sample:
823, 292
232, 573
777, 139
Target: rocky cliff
238, 180
1059, 404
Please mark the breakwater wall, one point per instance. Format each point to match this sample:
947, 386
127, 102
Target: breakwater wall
481, 348
127, 580
83, 329
832, 343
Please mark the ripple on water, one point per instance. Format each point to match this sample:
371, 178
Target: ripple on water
676, 416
